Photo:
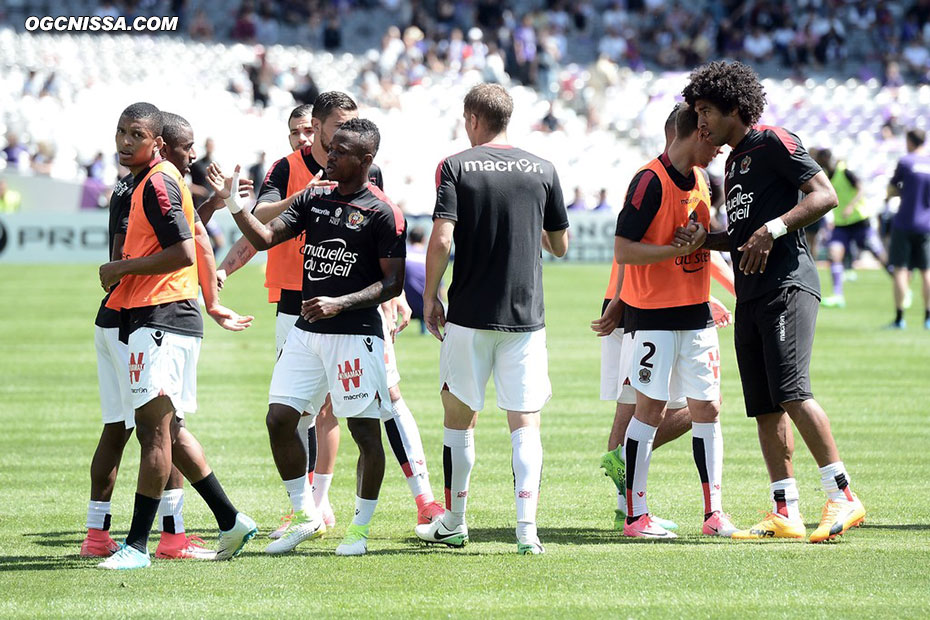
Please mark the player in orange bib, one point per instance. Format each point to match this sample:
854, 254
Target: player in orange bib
616, 345
666, 292
157, 298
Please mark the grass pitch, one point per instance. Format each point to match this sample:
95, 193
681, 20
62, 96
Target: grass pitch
873, 383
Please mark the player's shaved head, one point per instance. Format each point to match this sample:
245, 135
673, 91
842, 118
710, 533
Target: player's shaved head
670, 126
175, 128
330, 101
142, 111
490, 103
304, 109
686, 121
369, 138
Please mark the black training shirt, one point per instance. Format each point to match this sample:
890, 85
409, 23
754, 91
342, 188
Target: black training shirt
120, 201
501, 199
274, 189
764, 174
345, 236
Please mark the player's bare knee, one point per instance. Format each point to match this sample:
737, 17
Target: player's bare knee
281, 420
367, 435
704, 412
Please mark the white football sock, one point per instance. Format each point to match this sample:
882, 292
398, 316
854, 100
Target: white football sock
97, 515
298, 491
785, 498
458, 461
410, 452
321, 484
835, 481
707, 445
527, 461
170, 508
364, 509
637, 452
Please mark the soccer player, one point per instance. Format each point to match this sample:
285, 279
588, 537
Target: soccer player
158, 292
354, 248
502, 206
285, 180
666, 293
616, 345
112, 362
850, 223
910, 229
777, 292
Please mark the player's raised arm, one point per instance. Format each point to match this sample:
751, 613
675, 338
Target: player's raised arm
388, 287
222, 188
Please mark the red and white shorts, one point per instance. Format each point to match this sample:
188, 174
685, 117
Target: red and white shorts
163, 363
347, 366
671, 365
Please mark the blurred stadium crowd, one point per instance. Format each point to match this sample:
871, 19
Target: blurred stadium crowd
592, 79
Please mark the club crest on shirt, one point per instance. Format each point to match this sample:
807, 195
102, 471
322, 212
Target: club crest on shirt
354, 221
744, 165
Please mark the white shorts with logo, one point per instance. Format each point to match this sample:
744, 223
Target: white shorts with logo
390, 358
112, 362
519, 361
616, 356
163, 363
673, 365
349, 367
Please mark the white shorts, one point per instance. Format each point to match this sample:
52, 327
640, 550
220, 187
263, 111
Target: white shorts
163, 363
283, 323
390, 358
616, 355
519, 361
112, 362
349, 367
673, 365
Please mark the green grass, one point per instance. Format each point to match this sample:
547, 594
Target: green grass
873, 384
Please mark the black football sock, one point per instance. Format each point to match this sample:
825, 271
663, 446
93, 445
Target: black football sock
143, 516
212, 492
898, 315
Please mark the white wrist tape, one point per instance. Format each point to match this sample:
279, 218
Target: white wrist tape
776, 227
234, 203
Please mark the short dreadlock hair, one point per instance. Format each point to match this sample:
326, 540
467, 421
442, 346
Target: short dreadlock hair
729, 86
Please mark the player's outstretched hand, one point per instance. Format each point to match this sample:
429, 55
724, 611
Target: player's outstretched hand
404, 312
756, 251
220, 279
318, 185
230, 319
320, 308
609, 321
110, 274
222, 185
722, 316
434, 315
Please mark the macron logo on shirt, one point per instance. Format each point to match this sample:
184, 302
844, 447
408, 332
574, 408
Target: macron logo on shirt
490, 165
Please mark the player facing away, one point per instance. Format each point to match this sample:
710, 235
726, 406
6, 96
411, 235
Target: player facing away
851, 225
354, 247
666, 293
113, 360
158, 299
502, 206
777, 292
616, 354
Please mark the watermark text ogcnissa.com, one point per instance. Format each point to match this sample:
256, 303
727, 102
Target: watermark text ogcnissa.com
101, 23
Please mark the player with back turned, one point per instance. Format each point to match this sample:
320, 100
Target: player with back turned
777, 291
